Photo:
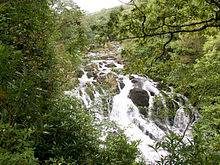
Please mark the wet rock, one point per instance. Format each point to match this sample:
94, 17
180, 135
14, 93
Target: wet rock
181, 100
150, 135
139, 97
122, 85
159, 86
107, 57
160, 125
111, 65
141, 127
162, 86
152, 93
119, 61
91, 67
137, 83
131, 77
171, 120
111, 80
135, 80
91, 74
102, 74
143, 111
79, 73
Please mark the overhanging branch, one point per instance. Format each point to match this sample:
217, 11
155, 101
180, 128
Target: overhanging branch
164, 48
193, 23
203, 27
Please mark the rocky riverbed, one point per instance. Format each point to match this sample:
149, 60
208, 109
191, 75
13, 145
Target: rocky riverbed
134, 103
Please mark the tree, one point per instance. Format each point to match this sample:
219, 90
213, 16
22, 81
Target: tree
39, 44
166, 19
26, 61
176, 43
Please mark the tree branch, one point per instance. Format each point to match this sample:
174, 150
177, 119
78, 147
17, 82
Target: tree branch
215, 2
164, 48
193, 23
183, 30
172, 31
143, 15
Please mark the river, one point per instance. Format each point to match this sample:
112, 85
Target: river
135, 104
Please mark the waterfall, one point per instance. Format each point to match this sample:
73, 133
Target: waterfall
134, 103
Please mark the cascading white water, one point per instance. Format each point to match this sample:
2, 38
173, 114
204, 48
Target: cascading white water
123, 111
128, 118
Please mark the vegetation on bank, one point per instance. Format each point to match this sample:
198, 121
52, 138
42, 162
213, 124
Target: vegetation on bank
41, 47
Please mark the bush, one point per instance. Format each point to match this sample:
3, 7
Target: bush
118, 151
15, 146
66, 132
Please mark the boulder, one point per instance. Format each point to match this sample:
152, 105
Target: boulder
111, 80
92, 74
139, 97
91, 67
92, 70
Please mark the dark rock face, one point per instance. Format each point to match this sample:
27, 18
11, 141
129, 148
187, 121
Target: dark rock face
139, 97
108, 57
91, 74
122, 85
135, 80
143, 111
152, 93
111, 65
79, 73
91, 67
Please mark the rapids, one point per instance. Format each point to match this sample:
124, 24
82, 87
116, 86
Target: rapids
112, 103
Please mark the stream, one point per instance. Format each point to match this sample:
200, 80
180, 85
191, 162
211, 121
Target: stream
135, 104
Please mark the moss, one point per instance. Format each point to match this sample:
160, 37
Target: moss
89, 91
143, 111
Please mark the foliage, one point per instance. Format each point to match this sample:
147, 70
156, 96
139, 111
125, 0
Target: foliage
177, 44
24, 49
101, 26
197, 79
204, 149
69, 41
144, 20
41, 45
15, 146
67, 132
116, 151
202, 78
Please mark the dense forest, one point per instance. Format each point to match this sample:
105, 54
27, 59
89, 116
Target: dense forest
42, 48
